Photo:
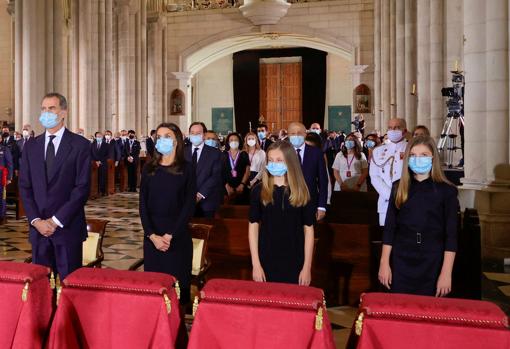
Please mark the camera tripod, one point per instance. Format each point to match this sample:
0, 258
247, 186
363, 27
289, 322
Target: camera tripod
448, 141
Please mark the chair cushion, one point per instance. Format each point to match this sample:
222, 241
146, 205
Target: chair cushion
90, 248
22, 272
262, 293
432, 309
198, 248
120, 281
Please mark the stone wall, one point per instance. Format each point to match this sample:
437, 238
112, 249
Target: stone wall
6, 66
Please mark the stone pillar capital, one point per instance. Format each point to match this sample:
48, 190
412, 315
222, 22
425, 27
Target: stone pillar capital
10, 7
183, 76
359, 69
156, 18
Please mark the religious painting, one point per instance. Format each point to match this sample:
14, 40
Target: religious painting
177, 102
362, 99
339, 118
222, 120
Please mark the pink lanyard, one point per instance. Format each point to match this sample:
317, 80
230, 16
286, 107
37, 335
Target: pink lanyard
233, 163
252, 155
349, 163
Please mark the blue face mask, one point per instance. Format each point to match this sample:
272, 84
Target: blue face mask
196, 140
210, 142
262, 135
99, 139
349, 144
420, 164
276, 169
297, 141
49, 120
370, 143
165, 145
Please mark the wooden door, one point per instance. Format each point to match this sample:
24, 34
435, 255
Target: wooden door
280, 94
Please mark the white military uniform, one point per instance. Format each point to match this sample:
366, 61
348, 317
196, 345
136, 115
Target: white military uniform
386, 168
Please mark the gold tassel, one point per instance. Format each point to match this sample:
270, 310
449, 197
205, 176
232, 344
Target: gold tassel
177, 289
24, 293
57, 281
167, 303
52, 281
318, 319
359, 324
195, 306
59, 291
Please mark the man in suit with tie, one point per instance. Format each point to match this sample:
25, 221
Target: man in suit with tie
26, 134
10, 142
150, 143
54, 185
263, 135
207, 163
313, 166
132, 157
99, 153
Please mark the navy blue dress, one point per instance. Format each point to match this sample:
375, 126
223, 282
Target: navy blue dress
167, 203
419, 233
281, 234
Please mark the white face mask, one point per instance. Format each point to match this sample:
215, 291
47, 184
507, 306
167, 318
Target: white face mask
234, 145
108, 137
25, 133
251, 142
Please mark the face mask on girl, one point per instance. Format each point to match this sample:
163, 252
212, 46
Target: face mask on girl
234, 145
251, 142
420, 164
165, 145
350, 144
370, 144
276, 169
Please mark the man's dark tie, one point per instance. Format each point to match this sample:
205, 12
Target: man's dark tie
194, 158
299, 156
50, 155
98, 146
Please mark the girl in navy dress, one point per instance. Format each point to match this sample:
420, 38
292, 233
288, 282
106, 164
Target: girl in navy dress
281, 231
420, 234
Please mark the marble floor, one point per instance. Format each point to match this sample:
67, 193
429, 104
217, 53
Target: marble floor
122, 246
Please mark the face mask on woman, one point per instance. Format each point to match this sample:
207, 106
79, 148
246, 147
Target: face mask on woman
251, 142
370, 144
420, 164
165, 145
350, 144
277, 169
234, 145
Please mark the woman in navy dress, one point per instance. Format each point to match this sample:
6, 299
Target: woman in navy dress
281, 220
167, 202
236, 170
420, 234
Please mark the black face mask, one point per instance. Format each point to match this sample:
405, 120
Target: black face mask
131, 136
5, 134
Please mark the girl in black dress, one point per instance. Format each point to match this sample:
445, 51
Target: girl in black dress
236, 170
167, 202
281, 220
420, 234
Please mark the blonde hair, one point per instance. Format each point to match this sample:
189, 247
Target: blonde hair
246, 147
436, 174
299, 195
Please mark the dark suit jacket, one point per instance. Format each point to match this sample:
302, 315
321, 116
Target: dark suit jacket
133, 151
209, 176
21, 144
114, 151
149, 143
65, 192
315, 173
121, 147
100, 154
13, 147
267, 143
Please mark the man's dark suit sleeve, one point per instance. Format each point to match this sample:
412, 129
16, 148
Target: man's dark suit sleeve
81, 190
117, 151
25, 186
214, 181
9, 163
323, 180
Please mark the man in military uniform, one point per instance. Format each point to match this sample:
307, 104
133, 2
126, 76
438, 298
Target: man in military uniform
6, 172
386, 164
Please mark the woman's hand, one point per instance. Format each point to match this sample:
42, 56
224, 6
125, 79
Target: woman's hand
344, 187
385, 274
240, 188
160, 243
305, 277
444, 285
229, 190
258, 274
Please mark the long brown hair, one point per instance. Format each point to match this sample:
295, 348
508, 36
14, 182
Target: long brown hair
436, 174
177, 165
257, 142
299, 195
357, 146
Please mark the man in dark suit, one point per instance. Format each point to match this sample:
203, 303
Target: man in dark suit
263, 135
54, 185
114, 150
132, 157
150, 143
207, 162
10, 142
99, 154
313, 166
6, 173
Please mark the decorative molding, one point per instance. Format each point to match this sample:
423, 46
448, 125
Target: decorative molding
359, 69
10, 7
264, 12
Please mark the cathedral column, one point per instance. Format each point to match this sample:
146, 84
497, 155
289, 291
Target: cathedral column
143, 68
393, 54
155, 73
437, 106
400, 58
385, 64
423, 55
108, 73
124, 82
410, 62
377, 64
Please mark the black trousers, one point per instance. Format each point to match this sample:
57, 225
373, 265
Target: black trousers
102, 176
132, 178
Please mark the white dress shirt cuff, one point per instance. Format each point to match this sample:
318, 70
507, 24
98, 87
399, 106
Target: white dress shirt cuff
201, 196
57, 222
34, 220
321, 209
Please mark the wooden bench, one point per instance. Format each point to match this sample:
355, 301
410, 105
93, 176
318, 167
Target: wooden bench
121, 175
110, 182
13, 196
94, 183
233, 211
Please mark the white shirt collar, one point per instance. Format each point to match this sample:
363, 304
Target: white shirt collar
57, 134
302, 147
200, 147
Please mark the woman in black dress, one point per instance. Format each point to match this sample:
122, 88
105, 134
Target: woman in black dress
167, 202
236, 170
281, 220
420, 234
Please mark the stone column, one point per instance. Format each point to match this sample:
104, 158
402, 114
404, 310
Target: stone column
75, 74
19, 119
437, 106
377, 64
423, 55
400, 58
385, 63
393, 54
108, 73
85, 68
143, 54
125, 116
410, 62
155, 74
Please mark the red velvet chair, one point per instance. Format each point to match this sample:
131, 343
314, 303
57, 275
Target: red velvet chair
248, 314
419, 322
105, 308
25, 305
